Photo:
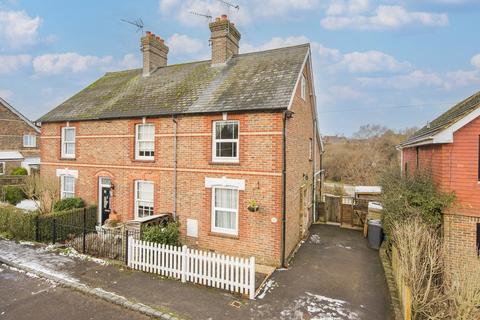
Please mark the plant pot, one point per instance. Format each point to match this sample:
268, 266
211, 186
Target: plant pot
253, 208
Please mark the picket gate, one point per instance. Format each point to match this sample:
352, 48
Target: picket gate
201, 267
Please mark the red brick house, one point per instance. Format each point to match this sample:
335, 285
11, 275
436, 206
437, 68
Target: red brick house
18, 140
449, 146
200, 140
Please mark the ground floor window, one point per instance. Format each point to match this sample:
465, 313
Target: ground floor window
144, 191
225, 210
2, 168
67, 186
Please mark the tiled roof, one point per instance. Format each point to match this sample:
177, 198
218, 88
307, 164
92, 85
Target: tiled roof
253, 81
444, 121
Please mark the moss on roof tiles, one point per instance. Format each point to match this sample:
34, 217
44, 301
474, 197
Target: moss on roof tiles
261, 80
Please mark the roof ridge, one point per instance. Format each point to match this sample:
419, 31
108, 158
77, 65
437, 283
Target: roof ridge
306, 44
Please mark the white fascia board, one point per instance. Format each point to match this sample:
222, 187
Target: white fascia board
224, 182
67, 172
298, 79
446, 135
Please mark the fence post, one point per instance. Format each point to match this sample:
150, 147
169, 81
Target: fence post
127, 246
54, 230
84, 229
37, 227
252, 278
184, 263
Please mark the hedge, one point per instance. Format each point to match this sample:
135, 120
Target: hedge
17, 223
22, 225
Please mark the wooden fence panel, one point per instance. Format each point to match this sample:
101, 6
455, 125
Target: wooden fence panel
196, 266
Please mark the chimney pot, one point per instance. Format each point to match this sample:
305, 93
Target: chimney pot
148, 33
224, 17
217, 19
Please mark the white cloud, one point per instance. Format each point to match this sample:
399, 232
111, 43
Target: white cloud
385, 17
476, 61
372, 61
461, 78
6, 94
9, 64
167, 5
268, 8
346, 93
130, 61
68, 62
18, 29
275, 42
183, 44
351, 7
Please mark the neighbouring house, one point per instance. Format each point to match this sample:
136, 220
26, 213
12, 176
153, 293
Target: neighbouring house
18, 140
449, 146
229, 146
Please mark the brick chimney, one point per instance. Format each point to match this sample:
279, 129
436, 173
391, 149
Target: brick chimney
225, 40
154, 53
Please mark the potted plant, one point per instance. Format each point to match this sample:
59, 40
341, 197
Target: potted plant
253, 206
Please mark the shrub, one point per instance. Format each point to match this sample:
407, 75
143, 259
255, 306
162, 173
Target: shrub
168, 234
68, 204
414, 195
12, 194
16, 223
19, 172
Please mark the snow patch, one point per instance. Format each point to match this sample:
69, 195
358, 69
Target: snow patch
28, 205
267, 288
313, 306
315, 238
345, 247
71, 252
26, 243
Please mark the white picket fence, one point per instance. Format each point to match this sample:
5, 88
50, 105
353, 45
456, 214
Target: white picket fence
197, 266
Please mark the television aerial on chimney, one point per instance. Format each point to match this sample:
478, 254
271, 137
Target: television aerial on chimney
205, 15
229, 4
137, 23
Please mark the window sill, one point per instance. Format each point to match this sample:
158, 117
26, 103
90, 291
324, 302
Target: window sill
225, 163
68, 159
223, 235
144, 160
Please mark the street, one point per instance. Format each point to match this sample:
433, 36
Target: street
26, 297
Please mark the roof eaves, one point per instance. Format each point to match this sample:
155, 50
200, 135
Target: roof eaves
21, 116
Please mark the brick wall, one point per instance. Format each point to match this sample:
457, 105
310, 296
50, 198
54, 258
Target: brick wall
106, 148
12, 129
299, 167
460, 234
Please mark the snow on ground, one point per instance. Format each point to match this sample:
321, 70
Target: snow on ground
315, 238
318, 307
27, 204
368, 189
267, 288
375, 205
71, 252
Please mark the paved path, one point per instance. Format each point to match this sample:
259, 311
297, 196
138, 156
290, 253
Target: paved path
334, 276
26, 297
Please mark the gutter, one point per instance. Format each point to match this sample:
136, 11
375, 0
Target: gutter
286, 115
174, 119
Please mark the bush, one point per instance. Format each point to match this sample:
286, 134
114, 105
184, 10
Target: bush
168, 234
68, 204
19, 172
415, 195
17, 223
12, 194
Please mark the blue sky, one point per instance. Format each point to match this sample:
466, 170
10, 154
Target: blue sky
397, 63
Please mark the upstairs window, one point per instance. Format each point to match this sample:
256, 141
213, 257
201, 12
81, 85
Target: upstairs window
225, 141
68, 142
67, 186
145, 142
29, 141
144, 191
225, 210
303, 87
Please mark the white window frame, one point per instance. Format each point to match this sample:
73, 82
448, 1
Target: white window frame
29, 141
63, 193
137, 142
64, 143
3, 165
137, 200
224, 230
303, 87
215, 140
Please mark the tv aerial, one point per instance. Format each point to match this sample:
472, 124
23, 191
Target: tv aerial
207, 15
230, 5
137, 23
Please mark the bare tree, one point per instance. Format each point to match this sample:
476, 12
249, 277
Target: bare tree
421, 255
44, 190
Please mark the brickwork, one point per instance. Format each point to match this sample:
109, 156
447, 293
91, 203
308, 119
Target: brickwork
12, 129
155, 53
460, 234
224, 39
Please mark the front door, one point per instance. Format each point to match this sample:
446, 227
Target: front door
104, 199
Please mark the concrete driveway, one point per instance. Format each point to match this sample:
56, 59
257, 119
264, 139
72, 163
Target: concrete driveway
334, 276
